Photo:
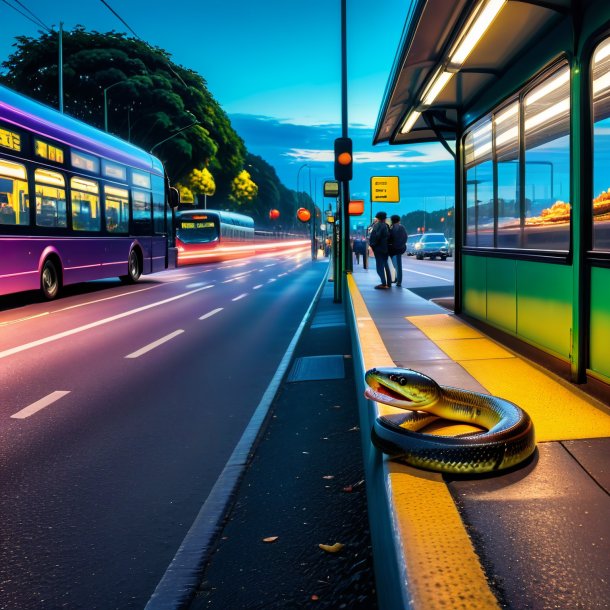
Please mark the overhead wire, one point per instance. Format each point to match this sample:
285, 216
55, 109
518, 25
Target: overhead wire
31, 17
116, 14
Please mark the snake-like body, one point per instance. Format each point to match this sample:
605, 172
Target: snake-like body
508, 438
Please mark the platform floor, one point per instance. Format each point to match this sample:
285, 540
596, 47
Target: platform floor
537, 537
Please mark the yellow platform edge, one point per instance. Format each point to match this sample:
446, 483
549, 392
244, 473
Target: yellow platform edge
442, 567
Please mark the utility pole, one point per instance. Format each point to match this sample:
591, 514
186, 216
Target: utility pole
60, 66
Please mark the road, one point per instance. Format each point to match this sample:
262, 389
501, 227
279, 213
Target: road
120, 406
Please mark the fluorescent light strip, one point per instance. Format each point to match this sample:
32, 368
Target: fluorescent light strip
546, 115
438, 83
476, 31
561, 79
411, 120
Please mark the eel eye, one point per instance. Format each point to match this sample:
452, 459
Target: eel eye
402, 381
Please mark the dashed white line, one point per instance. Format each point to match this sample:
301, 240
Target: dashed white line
40, 404
257, 287
151, 346
211, 313
21, 348
282, 274
272, 280
241, 296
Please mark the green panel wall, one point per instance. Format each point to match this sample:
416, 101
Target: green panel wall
599, 352
474, 284
544, 305
501, 293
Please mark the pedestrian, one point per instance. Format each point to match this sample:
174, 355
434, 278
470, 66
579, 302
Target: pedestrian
378, 241
397, 246
359, 248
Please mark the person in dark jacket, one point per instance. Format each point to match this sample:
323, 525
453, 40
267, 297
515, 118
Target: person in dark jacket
378, 241
397, 246
359, 248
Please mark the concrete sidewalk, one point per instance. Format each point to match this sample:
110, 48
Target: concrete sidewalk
535, 537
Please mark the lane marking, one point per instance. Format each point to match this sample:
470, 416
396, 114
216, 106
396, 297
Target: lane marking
241, 296
271, 265
228, 281
272, 280
157, 343
282, 274
257, 287
67, 333
436, 277
211, 313
40, 404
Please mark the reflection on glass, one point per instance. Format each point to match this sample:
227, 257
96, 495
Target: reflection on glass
547, 164
601, 147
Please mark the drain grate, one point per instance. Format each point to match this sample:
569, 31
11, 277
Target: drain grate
314, 368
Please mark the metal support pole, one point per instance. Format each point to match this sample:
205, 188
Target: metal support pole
347, 254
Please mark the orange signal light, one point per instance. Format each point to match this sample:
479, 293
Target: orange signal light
344, 158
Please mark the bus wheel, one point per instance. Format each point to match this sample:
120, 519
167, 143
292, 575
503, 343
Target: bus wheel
134, 268
49, 280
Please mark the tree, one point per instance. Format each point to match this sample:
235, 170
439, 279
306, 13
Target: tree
243, 188
149, 98
201, 182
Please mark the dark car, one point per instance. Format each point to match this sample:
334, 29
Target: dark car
411, 241
432, 245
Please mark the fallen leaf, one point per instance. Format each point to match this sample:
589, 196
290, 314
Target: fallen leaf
354, 429
328, 476
331, 548
270, 539
348, 489
314, 598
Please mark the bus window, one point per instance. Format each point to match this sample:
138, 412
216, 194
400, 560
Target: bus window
158, 205
141, 209
85, 205
50, 199
601, 147
116, 209
14, 201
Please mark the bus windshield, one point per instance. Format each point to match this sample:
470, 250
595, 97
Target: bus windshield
196, 230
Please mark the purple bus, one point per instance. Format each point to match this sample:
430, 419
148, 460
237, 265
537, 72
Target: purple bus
76, 204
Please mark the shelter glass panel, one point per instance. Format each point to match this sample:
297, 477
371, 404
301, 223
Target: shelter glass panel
601, 146
506, 123
547, 164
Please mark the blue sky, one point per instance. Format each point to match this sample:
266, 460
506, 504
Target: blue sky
274, 66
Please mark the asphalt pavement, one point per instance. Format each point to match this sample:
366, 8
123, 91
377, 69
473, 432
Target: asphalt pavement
303, 487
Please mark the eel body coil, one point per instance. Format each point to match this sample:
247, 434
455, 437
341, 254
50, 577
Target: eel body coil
507, 438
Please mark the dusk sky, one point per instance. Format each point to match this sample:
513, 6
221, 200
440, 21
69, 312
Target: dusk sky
274, 66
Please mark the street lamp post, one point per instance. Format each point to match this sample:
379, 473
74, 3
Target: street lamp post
106, 102
313, 215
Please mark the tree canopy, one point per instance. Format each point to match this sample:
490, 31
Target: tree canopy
149, 98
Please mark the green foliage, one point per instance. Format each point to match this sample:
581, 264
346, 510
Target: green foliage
149, 98
201, 182
438, 221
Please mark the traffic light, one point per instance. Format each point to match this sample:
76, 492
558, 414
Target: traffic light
343, 159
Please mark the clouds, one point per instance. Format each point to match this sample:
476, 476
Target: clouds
425, 170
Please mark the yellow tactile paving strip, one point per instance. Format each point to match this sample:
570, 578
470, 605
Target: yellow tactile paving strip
558, 411
443, 570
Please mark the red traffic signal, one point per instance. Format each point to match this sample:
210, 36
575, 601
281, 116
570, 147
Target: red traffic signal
274, 214
343, 159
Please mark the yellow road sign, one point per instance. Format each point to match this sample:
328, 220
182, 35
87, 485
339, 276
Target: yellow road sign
385, 188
